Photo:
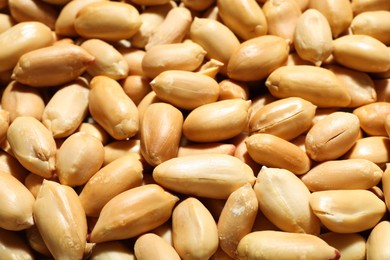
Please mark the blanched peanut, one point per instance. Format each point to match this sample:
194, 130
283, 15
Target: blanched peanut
284, 200
195, 234
95, 130
256, 58
136, 87
237, 218
160, 250
36, 242
219, 148
244, 18
347, 211
211, 68
17, 204
133, 212
360, 6
6, 22
112, 250
4, 124
286, 118
382, 88
231, 89
376, 245
160, 133
185, 89
134, 59
362, 53
20, 39
289, 246
386, 185
74, 164
332, 136
372, 117
315, 84
112, 108
52, 66
33, 183
174, 56
120, 175
33, 145
217, 121
241, 152
273, 151
13, 246
205, 175
66, 109
374, 23
197, 5
343, 175
313, 37
350, 246
108, 61
60, 217
26, 10
107, 20
10, 165
116, 149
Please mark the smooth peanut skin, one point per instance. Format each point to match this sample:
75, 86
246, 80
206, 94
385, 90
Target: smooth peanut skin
350, 246
161, 249
13, 246
376, 248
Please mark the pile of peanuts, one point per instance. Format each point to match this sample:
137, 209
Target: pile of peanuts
195, 129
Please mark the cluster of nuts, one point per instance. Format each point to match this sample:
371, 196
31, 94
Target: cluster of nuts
194, 129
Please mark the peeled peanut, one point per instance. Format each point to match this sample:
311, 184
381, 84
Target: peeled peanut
195, 234
205, 175
185, 89
61, 220
112, 250
33, 183
6, 22
20, 39
13, 246
136, 87
273, 151
372, 117
116, 149
350, 246
244, 18
160, 250
376, 245
10, 165
133, 212
360, 6
33, 145
231, 89
347, 211
343, 175
256, 58
332, 136
112, 108
217, 121
94, 129
374, 23
284, 200
192, 149
313, 37
289, 246
386, 185
198, 5
314, 84
17, 204
52, 66
107, 20
134, 59
286, 118
362, 53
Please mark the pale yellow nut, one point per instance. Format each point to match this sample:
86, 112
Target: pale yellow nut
64, 24
107, 20
374, 23
4, 124
78, 159
376, 245
205, 175
256, 58
185, 89
13, 246
314, 84
192, 149
173, 29
207, 33
36, 242
94, 129
33, 145
347, 211
20, 39
350, 246
116, 149
313, 37
244, 18
362, 53
33, 183
108, 61
231, 89
120, 175
61, 220
10, 165
303, 4
25, 11
284, 200
6, 22
133, 212
52, 66
198, 5
112, 250
359, 84
386, 185
382, 88
160, 250
343, 175
360, 6
372, 117
237, 218
282, 17
261, 245
66, 109
161, 133
273, 151
217, 121
286, 118
17, 204
332, 136
241, 152
134, 59
337, 12
112, 108
195, 234
136, 87
210, 68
